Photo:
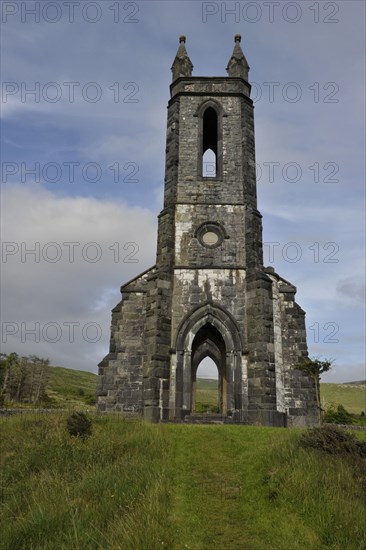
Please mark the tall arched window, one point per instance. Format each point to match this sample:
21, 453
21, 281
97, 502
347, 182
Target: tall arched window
209, 143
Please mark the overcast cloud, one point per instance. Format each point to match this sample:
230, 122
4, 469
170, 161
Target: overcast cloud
83, 159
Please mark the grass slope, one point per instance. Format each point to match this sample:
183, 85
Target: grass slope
138, 486
66, 381
70, 388
351, 396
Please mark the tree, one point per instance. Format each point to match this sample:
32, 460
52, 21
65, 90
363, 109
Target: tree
39, 376
314, 368
7, 364
22, 379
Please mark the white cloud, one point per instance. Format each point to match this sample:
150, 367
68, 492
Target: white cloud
75, 288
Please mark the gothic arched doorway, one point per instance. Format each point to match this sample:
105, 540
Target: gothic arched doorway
208, 331
208, 342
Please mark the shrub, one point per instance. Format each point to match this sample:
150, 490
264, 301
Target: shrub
90, 400
337, 416
359, 420
78, 424
206, 408
332, 440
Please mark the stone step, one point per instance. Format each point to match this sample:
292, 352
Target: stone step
206, 418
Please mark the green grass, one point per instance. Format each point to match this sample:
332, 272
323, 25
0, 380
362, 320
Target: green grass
351, 396
207, 384
62, 492
137, 486
68, 381
206, 395
67, 387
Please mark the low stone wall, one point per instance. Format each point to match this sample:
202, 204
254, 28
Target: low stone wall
262, 417
347, 426
12, 412
41, 412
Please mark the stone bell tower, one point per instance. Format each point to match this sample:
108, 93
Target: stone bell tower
209, 294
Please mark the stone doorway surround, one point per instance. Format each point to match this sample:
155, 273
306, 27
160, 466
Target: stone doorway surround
207, 331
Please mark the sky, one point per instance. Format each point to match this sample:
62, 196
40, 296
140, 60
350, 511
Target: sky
85, 87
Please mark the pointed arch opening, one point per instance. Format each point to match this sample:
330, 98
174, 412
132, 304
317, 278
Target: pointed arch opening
209, 143
209, 343
210, 130
210, 115
208, 331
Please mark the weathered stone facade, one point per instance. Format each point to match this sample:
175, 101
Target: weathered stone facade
209, 293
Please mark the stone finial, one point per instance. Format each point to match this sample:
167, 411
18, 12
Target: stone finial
238, 65
182, 65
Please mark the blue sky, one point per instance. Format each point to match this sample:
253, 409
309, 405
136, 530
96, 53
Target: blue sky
83, 159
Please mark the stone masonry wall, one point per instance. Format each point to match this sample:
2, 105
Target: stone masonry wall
121, 374
296, 390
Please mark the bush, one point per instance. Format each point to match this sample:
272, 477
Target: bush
78, 424
206, 408
332, 440
90, 400
337, 416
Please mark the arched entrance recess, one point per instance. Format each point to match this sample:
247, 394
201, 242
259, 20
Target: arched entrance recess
208, 342
208, 331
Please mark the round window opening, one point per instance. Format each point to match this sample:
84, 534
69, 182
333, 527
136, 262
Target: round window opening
210, 235
210, 238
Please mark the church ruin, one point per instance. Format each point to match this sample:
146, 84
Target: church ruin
209, 294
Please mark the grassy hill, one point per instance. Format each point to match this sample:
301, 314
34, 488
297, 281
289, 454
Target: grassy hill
138, 486
70, 388
351, 396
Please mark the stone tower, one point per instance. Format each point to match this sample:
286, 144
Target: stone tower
209, 293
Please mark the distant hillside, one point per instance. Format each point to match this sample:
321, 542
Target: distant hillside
207, 384
70, 388
351, 395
